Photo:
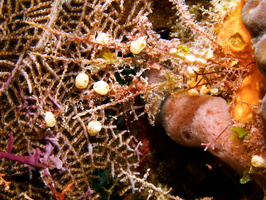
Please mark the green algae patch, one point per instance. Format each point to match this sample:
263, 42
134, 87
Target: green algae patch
238, 132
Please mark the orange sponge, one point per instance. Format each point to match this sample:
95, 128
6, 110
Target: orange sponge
236, 41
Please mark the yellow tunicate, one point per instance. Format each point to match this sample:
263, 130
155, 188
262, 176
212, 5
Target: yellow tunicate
49, 119
82, 81
190, 58
183, 49
193, 92
101, 87
138, 45
94, 127
236, 42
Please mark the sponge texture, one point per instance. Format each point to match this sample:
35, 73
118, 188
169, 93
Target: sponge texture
188, 120
191, 121
254, 17
260, 53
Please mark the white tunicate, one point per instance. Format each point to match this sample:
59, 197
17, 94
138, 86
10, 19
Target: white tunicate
209, 54
94, 127
204, 89
214, 91
102, 38
190, 58
49, 119
101, 87
191, 71
82, 81
173, 51
138, 45
258, 161
201, 61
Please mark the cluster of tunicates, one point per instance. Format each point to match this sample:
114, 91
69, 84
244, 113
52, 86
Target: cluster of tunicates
254, 18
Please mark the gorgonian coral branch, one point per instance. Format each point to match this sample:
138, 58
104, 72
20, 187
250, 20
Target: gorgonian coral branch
29, 160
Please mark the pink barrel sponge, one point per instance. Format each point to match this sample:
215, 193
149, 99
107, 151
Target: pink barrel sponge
197, 121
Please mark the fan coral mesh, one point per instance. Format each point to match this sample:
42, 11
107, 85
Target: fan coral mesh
38, 69
45, 44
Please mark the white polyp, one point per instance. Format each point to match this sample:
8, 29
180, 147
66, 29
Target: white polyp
101, 87
49, 119
94, 127
138, 45
258, 161
82, 81
102, 38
